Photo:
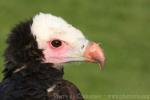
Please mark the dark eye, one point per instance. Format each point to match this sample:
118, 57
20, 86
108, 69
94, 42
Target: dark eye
56, 43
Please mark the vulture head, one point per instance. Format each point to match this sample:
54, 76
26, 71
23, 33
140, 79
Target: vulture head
61, 42
50, 39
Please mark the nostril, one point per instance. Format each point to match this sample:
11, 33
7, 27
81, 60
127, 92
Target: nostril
100, 44
82, 46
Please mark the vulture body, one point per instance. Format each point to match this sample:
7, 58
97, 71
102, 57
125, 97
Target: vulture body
30, 74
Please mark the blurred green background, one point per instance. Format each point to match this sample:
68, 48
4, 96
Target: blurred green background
123, 28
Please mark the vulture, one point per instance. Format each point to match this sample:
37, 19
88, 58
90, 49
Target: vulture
34, 57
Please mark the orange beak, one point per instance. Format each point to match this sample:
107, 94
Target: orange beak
94, 53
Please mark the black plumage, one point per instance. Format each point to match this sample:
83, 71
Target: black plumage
26, 77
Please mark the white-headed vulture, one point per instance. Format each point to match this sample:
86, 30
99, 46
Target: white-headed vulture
34, 57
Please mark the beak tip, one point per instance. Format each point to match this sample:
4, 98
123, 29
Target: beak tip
101, 65
95, 54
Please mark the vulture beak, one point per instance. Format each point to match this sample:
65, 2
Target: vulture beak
94, 53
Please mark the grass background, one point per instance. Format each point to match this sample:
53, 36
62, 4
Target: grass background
123, 27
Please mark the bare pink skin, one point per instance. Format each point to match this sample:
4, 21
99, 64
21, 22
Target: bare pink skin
53, 54
92, 53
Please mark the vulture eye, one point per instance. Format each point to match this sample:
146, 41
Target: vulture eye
56, 43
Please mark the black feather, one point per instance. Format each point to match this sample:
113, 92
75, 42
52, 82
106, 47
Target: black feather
22, 48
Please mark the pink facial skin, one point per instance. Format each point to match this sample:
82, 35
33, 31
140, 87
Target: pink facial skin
55, 54
68, 53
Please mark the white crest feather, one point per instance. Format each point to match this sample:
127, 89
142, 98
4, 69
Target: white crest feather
46, 25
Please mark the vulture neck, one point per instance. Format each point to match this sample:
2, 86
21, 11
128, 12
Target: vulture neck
38, 71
